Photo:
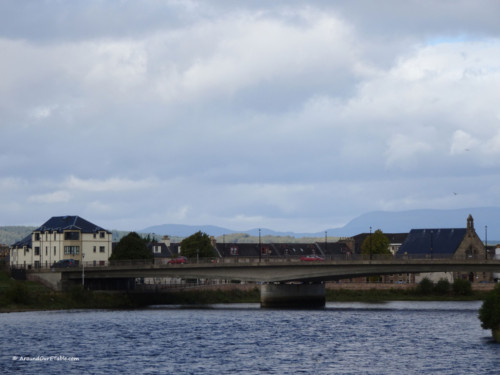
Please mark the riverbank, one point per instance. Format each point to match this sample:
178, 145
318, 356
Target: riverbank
29, 295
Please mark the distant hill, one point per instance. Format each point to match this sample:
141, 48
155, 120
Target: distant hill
404, 221
387, 221
11, 234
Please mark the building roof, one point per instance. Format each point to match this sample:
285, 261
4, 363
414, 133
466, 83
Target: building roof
442, 241
61, 223
26, 241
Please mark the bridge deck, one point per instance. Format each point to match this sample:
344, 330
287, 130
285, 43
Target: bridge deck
284, 271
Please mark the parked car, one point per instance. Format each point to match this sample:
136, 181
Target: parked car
311, 258
64, 263
178, 260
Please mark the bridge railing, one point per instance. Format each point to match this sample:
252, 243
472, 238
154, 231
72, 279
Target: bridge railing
347, 258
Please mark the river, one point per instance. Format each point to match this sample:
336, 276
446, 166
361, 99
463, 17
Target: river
344, 338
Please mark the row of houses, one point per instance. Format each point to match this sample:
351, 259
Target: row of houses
72, 237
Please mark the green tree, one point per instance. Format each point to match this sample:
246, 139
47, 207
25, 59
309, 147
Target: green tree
376, 244
132, 246
462, 287
425, 286
198, 244
443, 286
489, 313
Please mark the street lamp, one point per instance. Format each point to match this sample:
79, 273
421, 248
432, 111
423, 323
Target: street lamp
326, 240
485, 242
370, 243
432, 240
260, 248
83, 270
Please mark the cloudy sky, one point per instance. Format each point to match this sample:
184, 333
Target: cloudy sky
287, 115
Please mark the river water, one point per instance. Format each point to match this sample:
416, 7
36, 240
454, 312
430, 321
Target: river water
344, 338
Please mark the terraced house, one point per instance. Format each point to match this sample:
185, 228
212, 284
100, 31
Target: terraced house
62, 237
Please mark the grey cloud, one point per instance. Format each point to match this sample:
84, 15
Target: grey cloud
284, 115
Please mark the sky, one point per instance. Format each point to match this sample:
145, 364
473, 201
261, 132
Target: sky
287, 115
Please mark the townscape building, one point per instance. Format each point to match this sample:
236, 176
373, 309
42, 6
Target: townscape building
59, 238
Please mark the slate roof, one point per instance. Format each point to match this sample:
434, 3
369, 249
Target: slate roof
26, 241
443, 241
61, 223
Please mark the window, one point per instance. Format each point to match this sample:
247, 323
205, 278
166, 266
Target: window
102, 234
95, 249
101, 249
46, 250
71, 250
54, 250
72, 236
37, 236
37, 250
54, 236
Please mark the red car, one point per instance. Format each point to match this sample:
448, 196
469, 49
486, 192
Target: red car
311, 258
178, 260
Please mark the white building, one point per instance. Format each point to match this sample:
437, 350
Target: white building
62, 237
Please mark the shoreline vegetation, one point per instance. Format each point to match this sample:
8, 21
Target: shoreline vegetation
16, 296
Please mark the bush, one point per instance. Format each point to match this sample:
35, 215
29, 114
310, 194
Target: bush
489, 313
426, 286
462, 287
443, 286
18, 293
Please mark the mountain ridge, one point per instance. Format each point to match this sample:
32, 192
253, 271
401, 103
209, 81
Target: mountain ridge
387, 221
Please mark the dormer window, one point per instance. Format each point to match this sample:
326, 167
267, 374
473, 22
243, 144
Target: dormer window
71, 236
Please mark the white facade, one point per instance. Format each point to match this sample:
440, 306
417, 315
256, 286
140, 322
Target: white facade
49, 245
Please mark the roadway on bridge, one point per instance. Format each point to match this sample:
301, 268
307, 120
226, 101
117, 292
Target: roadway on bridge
284, 271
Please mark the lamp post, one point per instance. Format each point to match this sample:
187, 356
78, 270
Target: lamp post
83, 270
260, 248
432, 242
370, 243
485, 242
326, 240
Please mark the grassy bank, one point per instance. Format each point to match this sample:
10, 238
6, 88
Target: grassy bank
28, 295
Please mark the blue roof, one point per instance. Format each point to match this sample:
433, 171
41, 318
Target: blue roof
26, 241
442, 241
61, 223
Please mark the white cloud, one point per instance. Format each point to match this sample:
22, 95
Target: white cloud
112, 184
462, 142
247, 114
50, 198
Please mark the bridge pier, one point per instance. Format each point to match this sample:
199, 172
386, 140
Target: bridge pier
293, 295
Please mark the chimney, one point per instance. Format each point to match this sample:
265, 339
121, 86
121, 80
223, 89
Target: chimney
166, 240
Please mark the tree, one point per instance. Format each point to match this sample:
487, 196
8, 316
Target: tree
443, 286
425, 286
462, 287
376, 244
132, 246
489, 313
198, 244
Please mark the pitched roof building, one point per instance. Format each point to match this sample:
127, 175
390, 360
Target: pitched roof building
62, 237
460, 243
